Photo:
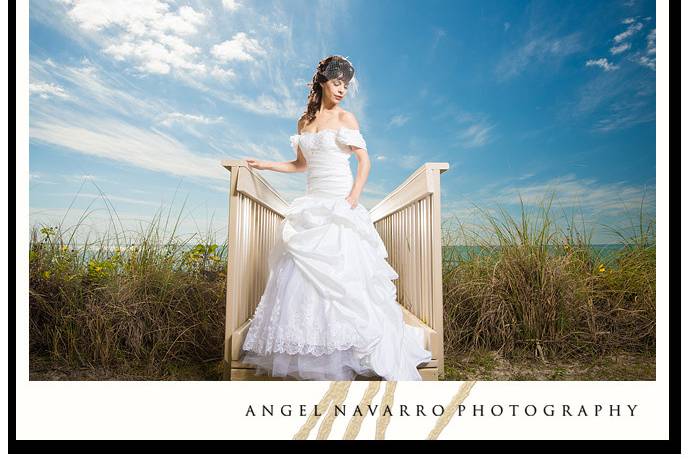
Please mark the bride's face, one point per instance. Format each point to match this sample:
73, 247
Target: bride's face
335, 90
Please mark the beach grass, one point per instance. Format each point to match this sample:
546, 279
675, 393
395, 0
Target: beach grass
152, 305
533, 284
148, 304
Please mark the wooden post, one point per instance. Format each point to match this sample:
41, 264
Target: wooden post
231, 272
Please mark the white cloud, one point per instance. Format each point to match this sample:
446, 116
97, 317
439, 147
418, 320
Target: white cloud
239, 48
231, 5
647, 62
40, 178
475, 135
410, 161
535, 50
97, 224
651, 42
144, 32
617, 49
124, 143
158, 57
220, 73
46, 90
109, 197
92, 89
602, 63
598, 203
269, 105
633, 28
571, 191
649, 58
398, 120
177, 117
618, 99
163, 39
136, 17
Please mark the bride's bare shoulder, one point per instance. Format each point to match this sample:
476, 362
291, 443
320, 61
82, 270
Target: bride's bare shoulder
348, 120
301, 124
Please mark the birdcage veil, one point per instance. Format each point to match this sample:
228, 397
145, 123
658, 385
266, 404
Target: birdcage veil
340, 67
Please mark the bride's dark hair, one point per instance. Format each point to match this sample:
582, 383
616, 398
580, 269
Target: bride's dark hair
315, 96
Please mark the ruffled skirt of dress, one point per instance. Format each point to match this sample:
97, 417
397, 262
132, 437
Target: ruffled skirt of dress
329, 310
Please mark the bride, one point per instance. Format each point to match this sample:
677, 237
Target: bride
329, 310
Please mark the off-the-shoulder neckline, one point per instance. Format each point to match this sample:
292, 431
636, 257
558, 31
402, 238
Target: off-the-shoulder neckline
328, 129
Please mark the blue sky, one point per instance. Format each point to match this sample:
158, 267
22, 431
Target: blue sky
140, 100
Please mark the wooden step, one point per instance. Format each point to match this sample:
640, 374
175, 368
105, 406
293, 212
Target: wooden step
248, 374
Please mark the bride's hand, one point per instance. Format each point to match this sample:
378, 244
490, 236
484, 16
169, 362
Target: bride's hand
352, 200
257, 164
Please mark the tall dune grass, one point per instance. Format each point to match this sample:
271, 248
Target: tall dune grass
146, 302
153, 301
529, 284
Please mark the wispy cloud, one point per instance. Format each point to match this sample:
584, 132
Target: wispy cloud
632, 29
623, 44
231, 5
409, 161
536, 50
94, 90
594, 201
177, 117
40, 178
398, 120
109, 197
99, 220
602, 63
617, 49
626, 97
46, 90
438, 34
475, 135
240, 48
648, 57
625, 113
124, 143
147, 33
618, 99
468, 129
571, 191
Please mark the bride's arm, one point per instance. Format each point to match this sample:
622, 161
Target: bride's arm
349, 120
362, 175
295, 166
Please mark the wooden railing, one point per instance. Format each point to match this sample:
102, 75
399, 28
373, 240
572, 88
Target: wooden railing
254, 214
408, 221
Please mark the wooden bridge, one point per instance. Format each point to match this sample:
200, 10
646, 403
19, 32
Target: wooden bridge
408, 221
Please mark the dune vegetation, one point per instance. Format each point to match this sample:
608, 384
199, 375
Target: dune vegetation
152, 306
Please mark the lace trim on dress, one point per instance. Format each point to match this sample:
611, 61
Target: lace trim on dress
345, 136
291, 339
350, 137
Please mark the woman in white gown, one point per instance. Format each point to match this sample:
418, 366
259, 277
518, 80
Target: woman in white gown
329, 310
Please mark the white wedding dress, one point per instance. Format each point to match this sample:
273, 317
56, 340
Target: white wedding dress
329, 307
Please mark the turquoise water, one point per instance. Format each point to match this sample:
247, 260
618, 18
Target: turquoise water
602, 251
